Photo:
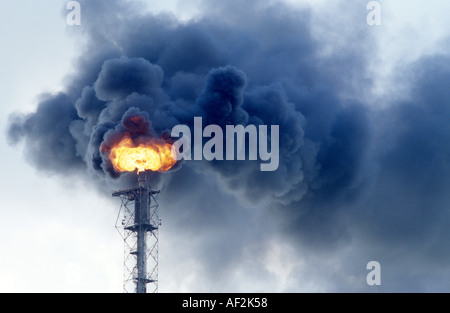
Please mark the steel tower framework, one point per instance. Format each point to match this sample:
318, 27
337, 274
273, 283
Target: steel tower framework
138, 223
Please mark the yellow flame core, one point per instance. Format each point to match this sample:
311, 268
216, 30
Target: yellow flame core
154, 156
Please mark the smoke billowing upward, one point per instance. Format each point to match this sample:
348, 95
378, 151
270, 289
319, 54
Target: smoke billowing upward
165, 73
345, 169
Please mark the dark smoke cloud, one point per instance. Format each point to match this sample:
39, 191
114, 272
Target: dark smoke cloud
49, 143
349, 176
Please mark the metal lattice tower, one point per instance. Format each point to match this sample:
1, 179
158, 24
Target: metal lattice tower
138, 223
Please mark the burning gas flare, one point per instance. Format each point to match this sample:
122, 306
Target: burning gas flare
153, 155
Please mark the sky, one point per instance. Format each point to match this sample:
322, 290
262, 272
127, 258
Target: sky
364, 157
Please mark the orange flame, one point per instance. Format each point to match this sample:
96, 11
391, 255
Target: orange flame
154, 156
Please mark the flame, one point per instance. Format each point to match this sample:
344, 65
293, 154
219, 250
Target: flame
154, 156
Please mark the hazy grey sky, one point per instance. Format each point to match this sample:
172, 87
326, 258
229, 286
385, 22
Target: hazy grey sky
58, 236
